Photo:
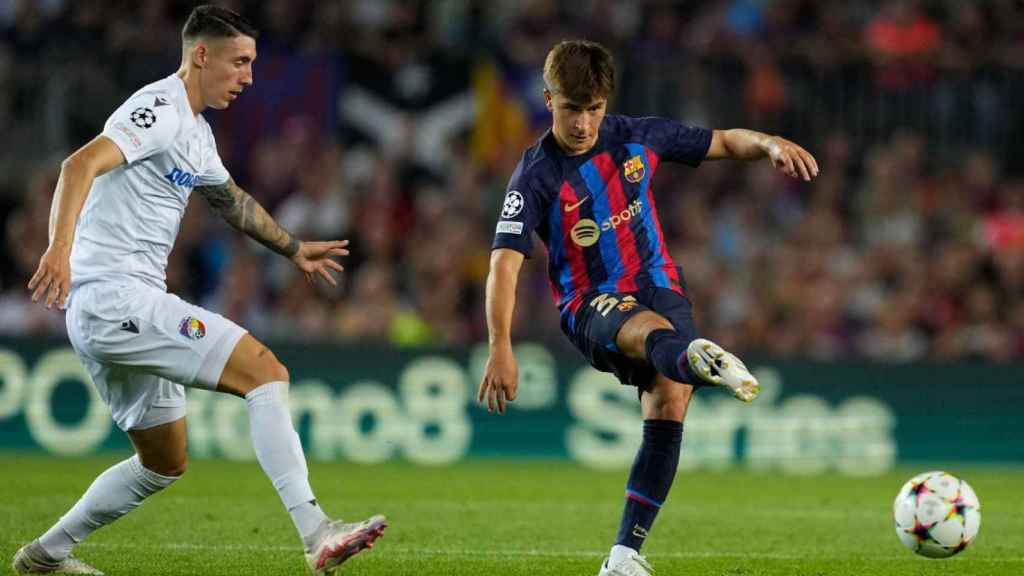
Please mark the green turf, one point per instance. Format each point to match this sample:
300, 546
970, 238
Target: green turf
511, 517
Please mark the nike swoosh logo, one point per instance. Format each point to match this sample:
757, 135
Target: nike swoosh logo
571, 207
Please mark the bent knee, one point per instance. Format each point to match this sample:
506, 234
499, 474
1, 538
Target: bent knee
251, 365
655, 321
174, 467
271, 369
632, 337
278, 373
646, 322
177, 470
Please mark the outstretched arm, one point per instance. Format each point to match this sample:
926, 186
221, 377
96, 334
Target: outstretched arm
501, 375
743, 144
77, 172
245, 214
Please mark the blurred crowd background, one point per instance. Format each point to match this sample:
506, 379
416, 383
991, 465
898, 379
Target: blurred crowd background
397, 124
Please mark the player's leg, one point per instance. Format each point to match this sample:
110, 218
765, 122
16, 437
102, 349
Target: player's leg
650, 478
146, 406
159, 461
254, 373
652, 345
163, 448
161, 334
609, 329
664, 336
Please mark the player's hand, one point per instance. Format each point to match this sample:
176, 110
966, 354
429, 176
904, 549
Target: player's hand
500, 381
53, 277
320, 258
789, 158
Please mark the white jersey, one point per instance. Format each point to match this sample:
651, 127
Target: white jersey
132, 214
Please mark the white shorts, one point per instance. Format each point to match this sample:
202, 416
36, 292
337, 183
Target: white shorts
141, 344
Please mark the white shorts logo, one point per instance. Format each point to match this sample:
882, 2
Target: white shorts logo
510, 228
513, 204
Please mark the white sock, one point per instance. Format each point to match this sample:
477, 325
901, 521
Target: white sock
311, 522
619, 552
279, 452
114, 493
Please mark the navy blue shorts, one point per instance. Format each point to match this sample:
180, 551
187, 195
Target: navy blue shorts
598, 320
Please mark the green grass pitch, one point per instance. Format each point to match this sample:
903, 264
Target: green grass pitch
512, 517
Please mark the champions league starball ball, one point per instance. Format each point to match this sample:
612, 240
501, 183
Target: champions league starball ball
937, 514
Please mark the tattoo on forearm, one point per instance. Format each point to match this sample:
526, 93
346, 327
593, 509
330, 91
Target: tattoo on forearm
245, 214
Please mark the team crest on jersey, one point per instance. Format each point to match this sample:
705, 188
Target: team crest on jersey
192, 328
633, 169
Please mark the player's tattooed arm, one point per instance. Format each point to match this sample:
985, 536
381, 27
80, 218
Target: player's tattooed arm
245, 214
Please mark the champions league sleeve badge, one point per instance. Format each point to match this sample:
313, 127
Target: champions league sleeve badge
143, 117
514, 203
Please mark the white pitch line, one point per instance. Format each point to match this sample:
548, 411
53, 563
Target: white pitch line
684, 509
688, 510
527, 553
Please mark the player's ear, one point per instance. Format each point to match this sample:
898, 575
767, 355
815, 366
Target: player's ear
199, 54
547, 100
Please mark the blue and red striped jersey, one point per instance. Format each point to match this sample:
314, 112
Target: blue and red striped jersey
595, 212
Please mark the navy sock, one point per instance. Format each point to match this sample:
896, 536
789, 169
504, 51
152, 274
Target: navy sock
666, 351
650, 480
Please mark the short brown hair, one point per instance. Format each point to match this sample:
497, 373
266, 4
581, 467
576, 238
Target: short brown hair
580, 70
211, 21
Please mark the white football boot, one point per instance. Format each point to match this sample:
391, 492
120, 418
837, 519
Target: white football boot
342, 541
716, 366
629, 564
32, 559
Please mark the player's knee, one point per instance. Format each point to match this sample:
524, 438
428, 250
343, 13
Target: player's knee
270, 369
668, 401
676, 405
276, 371
632, 337
173, 466
177, 468
654, 322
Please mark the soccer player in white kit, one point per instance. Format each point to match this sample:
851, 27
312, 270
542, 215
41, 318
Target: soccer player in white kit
115, 215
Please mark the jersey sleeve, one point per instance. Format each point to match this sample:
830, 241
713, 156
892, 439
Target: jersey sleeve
673, 141
143, 126
520, 214
214, 172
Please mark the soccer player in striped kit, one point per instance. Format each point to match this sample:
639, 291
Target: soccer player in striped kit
585, 190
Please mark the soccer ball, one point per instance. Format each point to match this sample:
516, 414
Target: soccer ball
937, 514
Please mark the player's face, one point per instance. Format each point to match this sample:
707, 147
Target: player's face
575, 124
227, 70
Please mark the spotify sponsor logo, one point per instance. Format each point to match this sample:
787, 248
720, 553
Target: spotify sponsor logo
586, 232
